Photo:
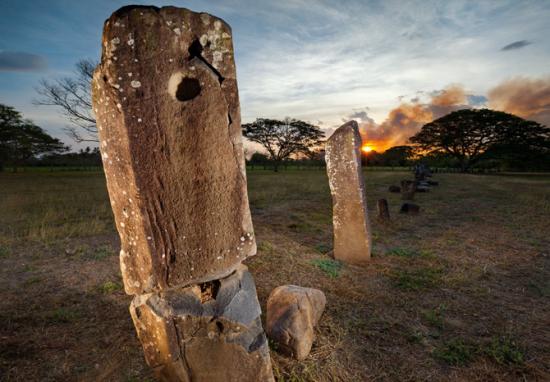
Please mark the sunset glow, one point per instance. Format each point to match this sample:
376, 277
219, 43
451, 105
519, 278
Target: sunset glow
367, 148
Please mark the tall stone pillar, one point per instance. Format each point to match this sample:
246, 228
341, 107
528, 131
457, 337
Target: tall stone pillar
167, 108
352, 237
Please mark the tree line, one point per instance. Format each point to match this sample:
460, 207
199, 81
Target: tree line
465, 139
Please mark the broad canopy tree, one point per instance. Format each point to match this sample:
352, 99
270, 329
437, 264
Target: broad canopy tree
21, 140
282, 139
470, 133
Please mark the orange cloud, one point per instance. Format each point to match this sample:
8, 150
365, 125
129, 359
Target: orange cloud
406, 119
526, 97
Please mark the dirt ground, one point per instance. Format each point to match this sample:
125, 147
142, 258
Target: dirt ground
460, 292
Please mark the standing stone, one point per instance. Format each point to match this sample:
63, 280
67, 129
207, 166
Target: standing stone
166, 102
292, 314
408, 188
165, 97
352, 238
383, 210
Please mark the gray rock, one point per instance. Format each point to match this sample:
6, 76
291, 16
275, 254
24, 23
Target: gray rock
410, 208
394, 188
352, 236
206, 332
292, 314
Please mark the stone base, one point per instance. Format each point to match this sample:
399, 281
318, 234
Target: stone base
206, 332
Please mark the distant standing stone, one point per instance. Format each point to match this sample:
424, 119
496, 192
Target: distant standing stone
352, 238
408, 188
383, 210
410, 208
292, 313
394, 188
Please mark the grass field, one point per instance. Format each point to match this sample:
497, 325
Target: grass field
460, 292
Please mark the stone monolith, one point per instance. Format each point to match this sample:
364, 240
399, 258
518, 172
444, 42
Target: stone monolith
352, 238
383, 210
167, 108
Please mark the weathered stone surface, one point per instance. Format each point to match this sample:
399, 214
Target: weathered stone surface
408, 188
394, 188
383, 210
410, 208
292, 313
205, 332
352, 236
166, 102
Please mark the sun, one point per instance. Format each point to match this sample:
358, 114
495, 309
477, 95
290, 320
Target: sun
367, 148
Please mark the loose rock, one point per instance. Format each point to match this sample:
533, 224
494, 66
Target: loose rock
410, 208
292, 313
394, 188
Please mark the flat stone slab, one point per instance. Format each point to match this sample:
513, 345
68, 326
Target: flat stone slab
292, 314
352, 236
213, 329
166, 102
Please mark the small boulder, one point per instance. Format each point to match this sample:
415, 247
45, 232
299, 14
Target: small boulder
292, 313
410, 208
421, 188
394, 188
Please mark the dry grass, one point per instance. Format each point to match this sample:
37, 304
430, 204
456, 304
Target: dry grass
460, 292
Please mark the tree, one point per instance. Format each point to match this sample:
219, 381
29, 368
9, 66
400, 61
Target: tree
468, 134
21, 140
398, 156
285, 138
73, 96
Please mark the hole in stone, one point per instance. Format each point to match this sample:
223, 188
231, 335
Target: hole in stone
188, 89
220, 326
195, 49
209, 290
138, 313
105, 79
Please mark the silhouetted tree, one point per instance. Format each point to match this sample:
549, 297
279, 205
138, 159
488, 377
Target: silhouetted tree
285, 138
468, 134
73, 96
21, 140
398, 156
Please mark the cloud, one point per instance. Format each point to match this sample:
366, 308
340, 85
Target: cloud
523, 96
21, 62
405, 120
516, 45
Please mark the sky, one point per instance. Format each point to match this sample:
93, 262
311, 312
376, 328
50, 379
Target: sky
390, 65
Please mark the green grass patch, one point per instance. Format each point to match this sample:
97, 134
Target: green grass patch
435, 316
63, 315
541, 289
109, 287
406, 252
4, 252
323, 248
505, 351
417, 279
102, 252
331, 267
456, 352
